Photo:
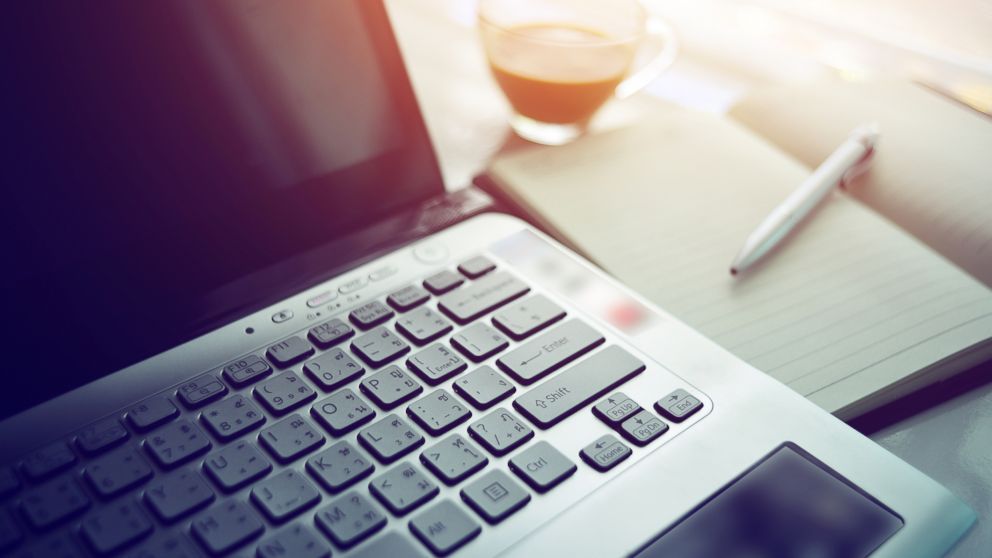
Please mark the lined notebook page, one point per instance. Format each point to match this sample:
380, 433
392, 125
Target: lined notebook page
933, 172
849, 306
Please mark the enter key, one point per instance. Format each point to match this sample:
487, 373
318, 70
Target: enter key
550, 351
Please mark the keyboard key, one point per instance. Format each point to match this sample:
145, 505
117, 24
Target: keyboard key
47, 461
436, 364
342, 412
333, 369
55, 546
407, 298
290, 438
483, 296
353, 285
53, 502
168, 545
495, 496
383, 273
350, 519
226, 526
379, 346
500, 432
403, 488
330, 333
10, 533
479, 341
177, 494
236, 465
678, 405
200, 391
152, 412
443, 282
390, 438
9, 483
438, 412
101, 436
550, 351
476, 267
423, 325
444, 527
117, 471
453, 459
289, 351
528, 316
370, 314
576, 387
615, 409
295, 542
390, 387
605, 453
247, 370
340, 466
643, 428
284, 495
177, 443
391, 544
111, 528
484, 387
232, 417
283, 393
542, 466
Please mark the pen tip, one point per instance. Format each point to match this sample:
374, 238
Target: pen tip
733, 271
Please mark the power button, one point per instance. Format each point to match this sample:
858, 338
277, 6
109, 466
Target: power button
430, 252
282, 315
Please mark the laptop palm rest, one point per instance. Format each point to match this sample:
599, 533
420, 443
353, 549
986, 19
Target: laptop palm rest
789, 505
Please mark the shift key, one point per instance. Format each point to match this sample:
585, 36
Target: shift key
550, 351
578, 386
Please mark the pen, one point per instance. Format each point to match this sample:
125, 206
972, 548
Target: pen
847, 161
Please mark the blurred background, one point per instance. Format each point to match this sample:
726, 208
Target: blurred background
728, 47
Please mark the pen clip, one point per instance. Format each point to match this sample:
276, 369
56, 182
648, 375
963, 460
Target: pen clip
857, 169
867, 135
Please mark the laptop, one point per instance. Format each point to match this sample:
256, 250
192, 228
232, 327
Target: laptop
247, 320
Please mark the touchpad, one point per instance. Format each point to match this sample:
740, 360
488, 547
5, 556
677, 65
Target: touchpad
788, 505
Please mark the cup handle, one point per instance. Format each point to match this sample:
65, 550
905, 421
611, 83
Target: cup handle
658, 29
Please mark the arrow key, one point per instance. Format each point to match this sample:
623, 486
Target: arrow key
678, 405
605, 453
615, 409
643, 428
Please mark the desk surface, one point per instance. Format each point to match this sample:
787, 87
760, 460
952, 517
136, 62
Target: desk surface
946, 432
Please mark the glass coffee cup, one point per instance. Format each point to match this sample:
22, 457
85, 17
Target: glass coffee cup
560, 61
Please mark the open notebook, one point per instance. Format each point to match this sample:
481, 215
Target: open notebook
852, 310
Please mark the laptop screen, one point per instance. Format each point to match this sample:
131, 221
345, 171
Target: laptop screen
157, 151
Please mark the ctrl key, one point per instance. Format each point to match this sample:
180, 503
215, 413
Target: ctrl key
542, 466
226, 527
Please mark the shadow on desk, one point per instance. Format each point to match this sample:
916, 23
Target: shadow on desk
945, 431
925, 399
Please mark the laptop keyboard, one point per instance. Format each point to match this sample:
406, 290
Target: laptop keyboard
339, 430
